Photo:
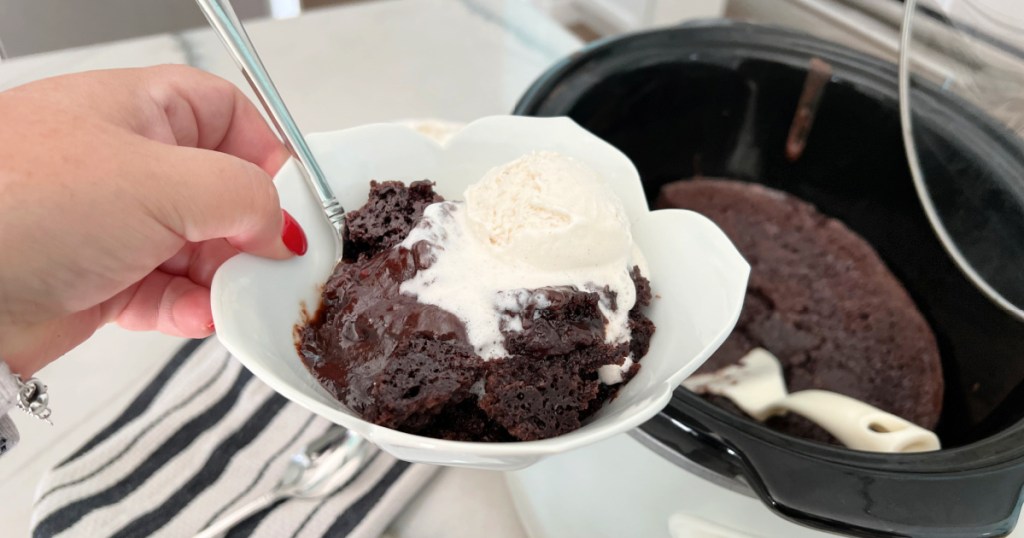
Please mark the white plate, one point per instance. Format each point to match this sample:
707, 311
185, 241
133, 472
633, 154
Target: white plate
698, 277
619, 487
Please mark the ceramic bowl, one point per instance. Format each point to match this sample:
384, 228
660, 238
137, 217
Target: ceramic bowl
696, 274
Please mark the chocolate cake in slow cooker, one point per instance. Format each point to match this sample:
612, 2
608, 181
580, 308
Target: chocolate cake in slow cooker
822, 301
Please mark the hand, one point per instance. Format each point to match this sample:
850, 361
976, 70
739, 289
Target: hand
121, 193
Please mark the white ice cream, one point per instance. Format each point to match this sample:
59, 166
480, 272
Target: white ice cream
549, 211
542, 220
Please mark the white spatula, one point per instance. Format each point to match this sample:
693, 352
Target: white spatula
756, 386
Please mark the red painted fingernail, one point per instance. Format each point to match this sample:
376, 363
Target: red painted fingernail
292, 235
210, 327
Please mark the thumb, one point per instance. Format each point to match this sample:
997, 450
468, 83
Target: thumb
207, 195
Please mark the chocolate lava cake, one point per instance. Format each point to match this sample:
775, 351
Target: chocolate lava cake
409, 366
822, 301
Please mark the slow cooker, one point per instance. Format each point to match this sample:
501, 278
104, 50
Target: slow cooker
719, 100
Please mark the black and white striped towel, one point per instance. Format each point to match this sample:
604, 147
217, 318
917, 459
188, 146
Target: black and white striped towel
203, 437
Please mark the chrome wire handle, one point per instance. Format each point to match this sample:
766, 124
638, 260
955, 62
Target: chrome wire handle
923, 193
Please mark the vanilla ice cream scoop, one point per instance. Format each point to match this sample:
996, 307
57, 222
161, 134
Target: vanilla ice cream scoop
549, 211
542, 220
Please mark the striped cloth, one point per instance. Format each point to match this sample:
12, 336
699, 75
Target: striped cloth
202, 438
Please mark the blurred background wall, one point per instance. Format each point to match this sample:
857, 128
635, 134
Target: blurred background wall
32, 26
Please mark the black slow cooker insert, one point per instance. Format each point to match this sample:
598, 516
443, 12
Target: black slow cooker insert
719, 100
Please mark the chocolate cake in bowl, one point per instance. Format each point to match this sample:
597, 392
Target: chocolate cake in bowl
410, 366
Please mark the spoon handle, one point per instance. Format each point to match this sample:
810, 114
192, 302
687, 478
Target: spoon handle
225, 22
240, 514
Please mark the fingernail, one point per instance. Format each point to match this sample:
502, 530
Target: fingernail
210, 327
292, 235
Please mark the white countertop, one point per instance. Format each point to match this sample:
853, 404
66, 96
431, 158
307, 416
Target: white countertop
380, 61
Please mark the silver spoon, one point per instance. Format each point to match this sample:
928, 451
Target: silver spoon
324, 465
225, 23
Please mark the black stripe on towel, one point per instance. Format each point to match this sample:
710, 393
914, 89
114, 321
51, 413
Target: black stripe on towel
159, 420
141, 402
275, 457
248, 526
63, 518
350, 518
150, 522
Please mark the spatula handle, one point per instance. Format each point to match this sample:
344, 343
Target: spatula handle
858, 425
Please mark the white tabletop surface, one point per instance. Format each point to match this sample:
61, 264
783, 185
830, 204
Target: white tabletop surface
380, 61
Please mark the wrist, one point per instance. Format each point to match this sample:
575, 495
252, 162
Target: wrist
28, 347
25, 348
27, 393
17, 352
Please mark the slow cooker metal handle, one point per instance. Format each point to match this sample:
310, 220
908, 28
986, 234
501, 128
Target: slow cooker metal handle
845, 497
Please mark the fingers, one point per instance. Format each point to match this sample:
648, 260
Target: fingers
240, 204
199, 261
202, 195
221, 186
226, 197
167, 303
173, 104
170, 304
208, 112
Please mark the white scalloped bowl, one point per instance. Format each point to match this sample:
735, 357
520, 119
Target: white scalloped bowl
697, 276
